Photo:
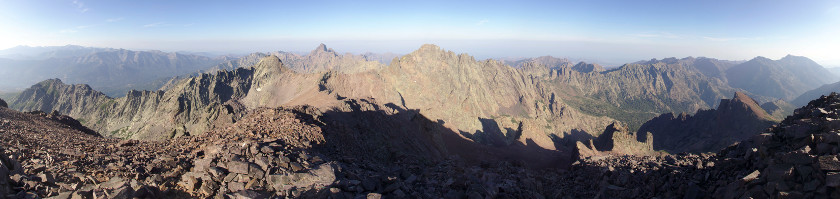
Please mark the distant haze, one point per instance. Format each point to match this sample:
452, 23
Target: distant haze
607, 32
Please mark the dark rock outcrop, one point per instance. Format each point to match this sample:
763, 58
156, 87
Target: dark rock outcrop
734, 120
3, 104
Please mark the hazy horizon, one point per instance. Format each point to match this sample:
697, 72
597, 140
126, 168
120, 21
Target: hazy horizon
603, 31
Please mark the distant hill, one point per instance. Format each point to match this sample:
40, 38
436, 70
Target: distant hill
803, 99
48, 52
835, 70
786, 78
113, 71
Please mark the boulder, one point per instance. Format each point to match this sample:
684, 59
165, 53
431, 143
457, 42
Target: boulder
238, 167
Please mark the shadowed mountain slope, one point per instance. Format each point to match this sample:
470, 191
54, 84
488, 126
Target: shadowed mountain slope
734, 120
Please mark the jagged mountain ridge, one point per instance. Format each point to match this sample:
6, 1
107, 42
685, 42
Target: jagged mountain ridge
270, 83
634, 93
711, 130
483, 100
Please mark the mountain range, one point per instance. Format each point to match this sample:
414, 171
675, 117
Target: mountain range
548, 101
114, 71
432, 107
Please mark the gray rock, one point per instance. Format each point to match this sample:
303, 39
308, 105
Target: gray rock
62, 195
255, 171
246, 194
114, 183
203, 164
832, 179
216, 172
238, 167
208, 188
122, 192
262, 162
277, 181
235, 186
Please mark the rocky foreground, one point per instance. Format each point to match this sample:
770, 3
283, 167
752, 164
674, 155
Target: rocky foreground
277, 153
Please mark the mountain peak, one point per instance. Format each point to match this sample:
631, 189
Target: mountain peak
742, 97
51, 81
742, 103
322, 48
427, 47
586, 67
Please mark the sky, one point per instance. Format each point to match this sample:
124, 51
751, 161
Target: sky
611, 32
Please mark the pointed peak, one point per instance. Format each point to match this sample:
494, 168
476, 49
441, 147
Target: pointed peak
741, 96
322, 48
743, 102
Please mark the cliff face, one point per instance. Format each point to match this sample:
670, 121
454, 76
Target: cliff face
480, 99
193, 105
53, 95
635, 93
734, 120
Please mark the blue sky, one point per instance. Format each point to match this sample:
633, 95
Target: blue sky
607, 31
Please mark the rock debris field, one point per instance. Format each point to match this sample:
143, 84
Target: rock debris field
278, 153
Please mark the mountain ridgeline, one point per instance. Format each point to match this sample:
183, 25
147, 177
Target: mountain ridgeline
112, 71
546, 102
710, 130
